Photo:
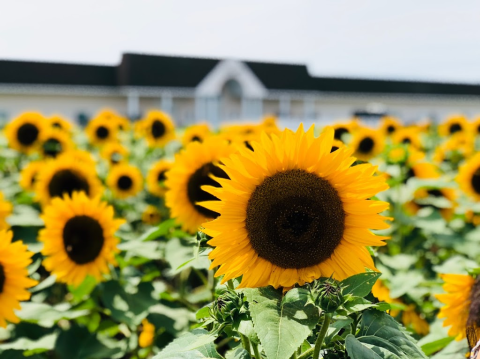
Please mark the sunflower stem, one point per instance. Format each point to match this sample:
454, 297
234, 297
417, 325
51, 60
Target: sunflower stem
321, 336
245, 343
256, 353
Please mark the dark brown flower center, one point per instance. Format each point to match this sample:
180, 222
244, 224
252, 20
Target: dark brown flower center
52, 147
407, 140
475, 181
124, 182
102, 132
455, 127
366, 145
56, 125
201, 178
158, 129
339, 132
27, 134
334, 148
2, 278
196, 139
295, 219
83, 239
67, 181
391, 129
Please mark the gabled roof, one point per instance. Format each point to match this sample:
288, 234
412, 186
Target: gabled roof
187, 72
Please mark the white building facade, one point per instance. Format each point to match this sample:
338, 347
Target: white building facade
195, 90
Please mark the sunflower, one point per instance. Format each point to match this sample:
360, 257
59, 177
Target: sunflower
54, 141
23, 133
410, 318
269, 123
151, 215
114, 153
156, 177
79, 237
122, 123
196, 133
344, 128
101, 130
397, 154
5, 210
422, 196
64, 176
293, 211
14, 281
28, 176
367, 143
193, 169
125, 180
459, 146
82, 157
389, 125
336, 145
408, 136
145, 339
422, 170
472, 217
475, 126
458, 311
58, 122
453, 124
159, 128
469, 177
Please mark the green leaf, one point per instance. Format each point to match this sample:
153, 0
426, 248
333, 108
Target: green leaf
358, 304
454, 350
387, 338
238, 353
433, 347
43, 344
196, 344
84, 289
403, 282
360, 285
357, 350
128, 307
281, 325
203, 313
46, 315
46, 283
161, 230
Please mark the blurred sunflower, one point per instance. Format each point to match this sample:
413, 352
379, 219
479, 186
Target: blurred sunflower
83, 158
193, 168
269, 124
367, 143
397, 154
336, 145
344, 128
196, 133
469, 177
114, 153
159, 128
293, 211
151, 215
145, 339
459, 146
5, 210
389, 125
156, 177
14, 281
59, 123
54, 141
29, 173
453, 124
475, 126
442, 199
23, 133
422, 170
408, 136
125, 180
64, 176
101, 130
472, 217
79, 237
459, 311
122, 123
410, 318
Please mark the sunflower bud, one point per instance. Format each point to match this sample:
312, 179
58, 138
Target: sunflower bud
227, 306
330, 296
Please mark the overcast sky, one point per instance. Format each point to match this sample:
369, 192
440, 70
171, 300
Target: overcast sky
435, 40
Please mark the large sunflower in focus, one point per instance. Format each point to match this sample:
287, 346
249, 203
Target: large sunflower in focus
367, 143
64, 176
156, 177
293, 211
79, 237
158, 128
193, 169
459, 313
54, 141
125, 180
14, 281
101, 130
5, 210
24, 132
469, 177
453, 124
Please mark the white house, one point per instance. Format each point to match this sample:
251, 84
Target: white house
197, 89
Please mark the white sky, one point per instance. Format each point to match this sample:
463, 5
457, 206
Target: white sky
435, 40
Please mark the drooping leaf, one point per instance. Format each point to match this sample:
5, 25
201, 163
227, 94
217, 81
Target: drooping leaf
357, 350
359, 285
192, 345
282, 324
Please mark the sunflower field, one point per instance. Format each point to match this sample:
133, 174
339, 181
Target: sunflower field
137, 239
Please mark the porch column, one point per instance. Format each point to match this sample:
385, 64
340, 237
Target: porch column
133, 105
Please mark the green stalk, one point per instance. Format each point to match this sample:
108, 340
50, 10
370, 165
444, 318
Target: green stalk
321, 336
256, 353
245, 343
